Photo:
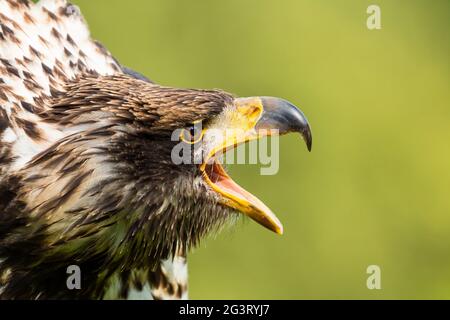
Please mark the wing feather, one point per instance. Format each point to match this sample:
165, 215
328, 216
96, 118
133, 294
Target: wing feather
42, 47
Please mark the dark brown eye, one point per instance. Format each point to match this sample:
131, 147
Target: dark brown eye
192, 134
192, 131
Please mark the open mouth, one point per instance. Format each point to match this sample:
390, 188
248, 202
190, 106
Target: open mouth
257, 117
234, 196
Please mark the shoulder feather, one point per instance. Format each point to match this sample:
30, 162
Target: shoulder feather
42, 47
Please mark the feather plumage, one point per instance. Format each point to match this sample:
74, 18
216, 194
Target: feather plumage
42, 47
48, 163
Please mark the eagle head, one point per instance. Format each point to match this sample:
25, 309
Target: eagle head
102, 169
155, 157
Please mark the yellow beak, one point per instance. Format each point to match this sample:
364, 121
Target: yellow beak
254, 118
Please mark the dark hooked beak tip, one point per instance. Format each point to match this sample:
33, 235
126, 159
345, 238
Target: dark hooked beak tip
307, 136
282, 115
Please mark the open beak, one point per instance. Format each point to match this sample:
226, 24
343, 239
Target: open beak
253, 118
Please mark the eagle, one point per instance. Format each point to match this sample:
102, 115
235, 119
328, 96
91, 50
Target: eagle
87, 170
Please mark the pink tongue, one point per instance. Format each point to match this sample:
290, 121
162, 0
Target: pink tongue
256, 210
220, 178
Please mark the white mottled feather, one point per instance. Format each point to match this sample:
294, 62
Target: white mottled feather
33, 31
35, 38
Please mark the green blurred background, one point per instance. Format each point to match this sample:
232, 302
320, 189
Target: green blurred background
375, 189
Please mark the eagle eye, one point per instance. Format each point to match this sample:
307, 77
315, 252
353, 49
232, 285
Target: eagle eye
192, 134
